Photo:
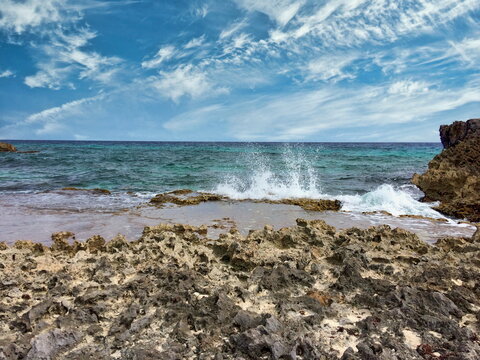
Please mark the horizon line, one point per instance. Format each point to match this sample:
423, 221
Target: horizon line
228, 141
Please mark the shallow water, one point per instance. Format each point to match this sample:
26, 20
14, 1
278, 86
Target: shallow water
22, 219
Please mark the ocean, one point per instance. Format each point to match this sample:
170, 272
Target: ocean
366, 177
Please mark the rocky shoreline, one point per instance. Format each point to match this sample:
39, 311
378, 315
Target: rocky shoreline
306, 292
453, 176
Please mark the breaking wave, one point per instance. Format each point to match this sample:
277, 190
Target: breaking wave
296, 178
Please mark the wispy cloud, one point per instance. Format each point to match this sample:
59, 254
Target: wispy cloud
6, 74
50, 120
65, 56
185, 81
281, 11
306, 114
165, 53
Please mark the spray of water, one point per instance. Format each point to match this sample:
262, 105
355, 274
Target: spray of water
290, 174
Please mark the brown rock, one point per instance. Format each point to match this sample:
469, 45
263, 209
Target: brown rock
4, 147
453, 134
476, 236
453, 176
60, 241
95, 244
184, 197
312, 204
96, 191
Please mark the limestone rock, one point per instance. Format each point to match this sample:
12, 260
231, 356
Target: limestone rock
453, 176
310, 291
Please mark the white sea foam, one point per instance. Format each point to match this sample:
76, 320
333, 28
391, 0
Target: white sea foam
265, 184
388, 198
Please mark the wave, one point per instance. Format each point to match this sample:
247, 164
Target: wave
396, 201
294, 177
289, 176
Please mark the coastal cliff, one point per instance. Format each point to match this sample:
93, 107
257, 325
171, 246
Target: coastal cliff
300, 293
453, 176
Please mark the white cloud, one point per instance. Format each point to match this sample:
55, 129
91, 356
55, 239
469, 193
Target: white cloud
353, 22
408, 88
195, 42
306, 114
468, 50
65, 57
165, 53
330, 67
18, 16
185, 81
50, 119
232, 29
281, 11
6, 74
61, 111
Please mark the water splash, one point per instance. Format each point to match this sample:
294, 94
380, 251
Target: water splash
273, 177
396, 201
290, 175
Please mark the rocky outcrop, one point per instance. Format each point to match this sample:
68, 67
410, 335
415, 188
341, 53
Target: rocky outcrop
4, 147
453, 134
186, 197
306, 292
453, 176
311, 204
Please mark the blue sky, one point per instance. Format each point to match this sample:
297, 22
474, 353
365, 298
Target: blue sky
237, 70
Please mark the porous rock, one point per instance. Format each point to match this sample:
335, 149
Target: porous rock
453, 176
305, 292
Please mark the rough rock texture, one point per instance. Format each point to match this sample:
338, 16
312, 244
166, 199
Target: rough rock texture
7, 147
455, 133
453, 176
186, 197
312, 204
306, 292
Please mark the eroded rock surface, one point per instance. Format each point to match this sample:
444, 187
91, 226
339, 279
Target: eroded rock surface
185, 197
306, 292
453, 176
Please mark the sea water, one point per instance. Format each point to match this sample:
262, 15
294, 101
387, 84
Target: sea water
366, 177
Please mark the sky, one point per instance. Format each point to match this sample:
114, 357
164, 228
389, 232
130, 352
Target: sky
237, 70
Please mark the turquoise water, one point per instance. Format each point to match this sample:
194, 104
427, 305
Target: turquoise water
365, 177
253, 168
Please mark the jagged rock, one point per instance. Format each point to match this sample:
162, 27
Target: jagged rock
305, 292
458, 131
7, 147
48, 345
476, 236
60, 241
453, 176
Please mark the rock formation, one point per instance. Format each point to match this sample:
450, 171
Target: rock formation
453, 176
7, 147
185, 197
301, 293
